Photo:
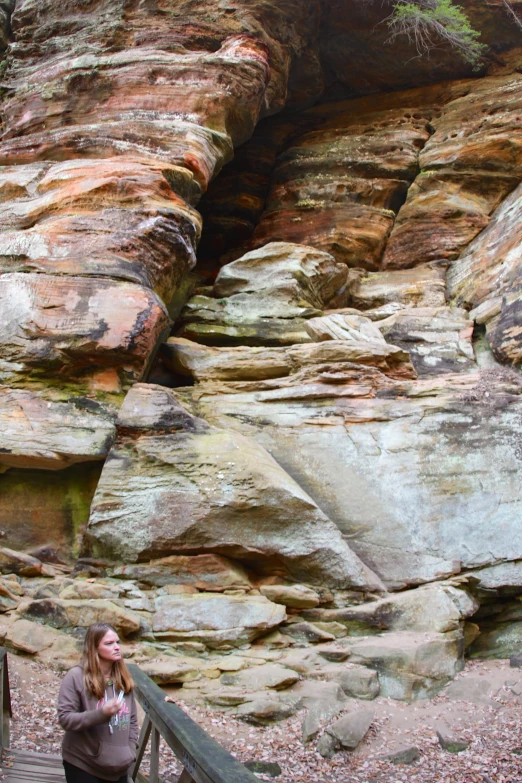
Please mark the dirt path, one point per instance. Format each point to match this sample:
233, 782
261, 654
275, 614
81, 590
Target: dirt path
483, 706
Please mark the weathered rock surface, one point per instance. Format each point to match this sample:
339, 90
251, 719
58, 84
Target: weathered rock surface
488, 278
470, 163
359, 682
438, 338
411, 665
214, 619
38, 433
336, 188
209, 489
295, 596
323, 459
351, 729
423, 286
323, 701
265, 296
440, 607
81, 613
242, 363
70, 324
412, 484
267, 676
204, 572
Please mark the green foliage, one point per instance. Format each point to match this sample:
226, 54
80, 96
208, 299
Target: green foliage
428, 23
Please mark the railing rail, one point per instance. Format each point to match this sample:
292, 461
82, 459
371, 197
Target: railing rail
204, 760
5, 700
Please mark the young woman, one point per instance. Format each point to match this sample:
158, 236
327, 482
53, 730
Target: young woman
96, 707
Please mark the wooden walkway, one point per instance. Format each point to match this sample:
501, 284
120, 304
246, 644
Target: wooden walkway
203, 760
20, 766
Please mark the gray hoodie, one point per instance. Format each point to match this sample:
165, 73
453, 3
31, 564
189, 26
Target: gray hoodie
104, 748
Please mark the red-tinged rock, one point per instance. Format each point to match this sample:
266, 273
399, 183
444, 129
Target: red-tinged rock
355, 235
76, 326
336, 188
38, 433
117, 218
488, 277
192, 105
472, 161
491, 266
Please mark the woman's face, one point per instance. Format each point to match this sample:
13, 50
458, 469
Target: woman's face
109, 647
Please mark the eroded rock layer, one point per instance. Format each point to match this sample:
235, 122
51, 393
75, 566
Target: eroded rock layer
306, 448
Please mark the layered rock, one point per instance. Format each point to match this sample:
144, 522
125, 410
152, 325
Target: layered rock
51, 435
470, 163
488, 278
265, 296
412, 484
209, 490
301, 454
215, 619
338, 187
114, 125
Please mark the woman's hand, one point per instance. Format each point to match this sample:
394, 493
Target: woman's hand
111, 707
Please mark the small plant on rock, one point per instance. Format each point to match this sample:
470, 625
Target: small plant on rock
428, 23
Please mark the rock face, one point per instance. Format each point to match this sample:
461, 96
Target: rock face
264, 297
488, 278
209, 489
412, 484
333, 416
215, 619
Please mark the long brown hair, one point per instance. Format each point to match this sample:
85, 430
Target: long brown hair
94, 679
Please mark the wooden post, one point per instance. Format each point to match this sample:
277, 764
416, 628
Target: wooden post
2, 724
5, 702
142, 745
154, 756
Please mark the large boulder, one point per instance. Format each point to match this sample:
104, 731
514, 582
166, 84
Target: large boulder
38, 433
404, 471
411, 664
209, 490
440, 607
81, 613
216, 620
70, 325
265, 296
205, 572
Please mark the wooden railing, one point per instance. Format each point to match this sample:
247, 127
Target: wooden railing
203, 759
5, 700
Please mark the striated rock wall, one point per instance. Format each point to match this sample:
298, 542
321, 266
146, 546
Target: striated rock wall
331, 396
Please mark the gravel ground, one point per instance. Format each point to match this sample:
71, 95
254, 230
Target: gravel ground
493, 726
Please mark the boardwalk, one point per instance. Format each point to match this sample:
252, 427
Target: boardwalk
202, 758
19, 766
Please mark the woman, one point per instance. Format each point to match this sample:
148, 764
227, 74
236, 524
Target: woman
96, 707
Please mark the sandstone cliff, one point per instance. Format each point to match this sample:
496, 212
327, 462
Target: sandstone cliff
260, 298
